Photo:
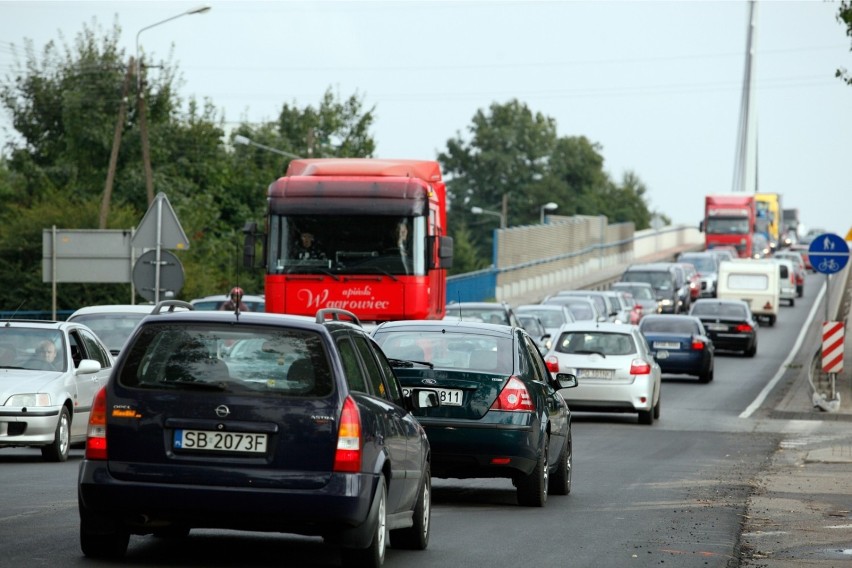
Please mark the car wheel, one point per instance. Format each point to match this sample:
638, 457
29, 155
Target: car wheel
99, 544
532, 488
57, 451
752, 351
647, 416
560, 484
706, 376
374, 555
657, 408
792, 302
416, 537
771, 321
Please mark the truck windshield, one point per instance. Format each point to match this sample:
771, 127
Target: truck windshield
347, 244
728, 225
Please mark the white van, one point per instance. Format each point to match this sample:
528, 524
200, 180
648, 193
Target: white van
754, 281
786, 280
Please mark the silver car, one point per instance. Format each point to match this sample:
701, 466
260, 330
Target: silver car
553, 316
50, 374
614, 368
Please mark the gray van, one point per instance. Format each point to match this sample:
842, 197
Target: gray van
663, 278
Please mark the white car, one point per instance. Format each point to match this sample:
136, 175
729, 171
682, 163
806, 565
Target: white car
786, 280
113, 323
49, 374
614, 368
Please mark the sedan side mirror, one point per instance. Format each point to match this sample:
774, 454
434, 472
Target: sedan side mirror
566, 380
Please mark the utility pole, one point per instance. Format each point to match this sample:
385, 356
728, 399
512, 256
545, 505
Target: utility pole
116, 144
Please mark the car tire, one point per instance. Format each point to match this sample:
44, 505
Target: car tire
110, 545
416, 537
374, 555
532, 488
706, 376
792, 302
646, 417
657, 408
560, 482
57, 451
752, 351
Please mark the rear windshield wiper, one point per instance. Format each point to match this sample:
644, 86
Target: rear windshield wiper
409, 363
584, 352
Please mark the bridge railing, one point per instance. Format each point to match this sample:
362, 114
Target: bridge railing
568, 253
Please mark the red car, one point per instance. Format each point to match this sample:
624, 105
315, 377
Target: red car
694, 280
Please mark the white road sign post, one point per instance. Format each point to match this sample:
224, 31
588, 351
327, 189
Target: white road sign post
159, 229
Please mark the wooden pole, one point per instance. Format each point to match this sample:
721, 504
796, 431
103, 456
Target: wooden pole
116, 143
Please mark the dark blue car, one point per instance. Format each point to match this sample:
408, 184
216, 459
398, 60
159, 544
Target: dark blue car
309, 434
680, 345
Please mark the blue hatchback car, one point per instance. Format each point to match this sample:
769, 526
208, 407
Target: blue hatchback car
310, 434
680, 345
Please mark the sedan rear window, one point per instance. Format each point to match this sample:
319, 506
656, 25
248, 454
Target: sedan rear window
223, 359
450, 350
596, 342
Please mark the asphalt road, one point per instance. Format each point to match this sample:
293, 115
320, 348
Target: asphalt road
672, 494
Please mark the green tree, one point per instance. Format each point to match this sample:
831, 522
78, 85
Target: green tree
515, 160
844, 16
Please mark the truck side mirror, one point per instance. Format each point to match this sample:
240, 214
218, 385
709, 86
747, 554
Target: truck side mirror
445, 252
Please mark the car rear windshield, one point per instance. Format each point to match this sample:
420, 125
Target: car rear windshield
702, 263
668, 325
450, 350
225, 358
661, 280
596, 342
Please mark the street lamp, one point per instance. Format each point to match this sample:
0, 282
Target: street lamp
197, 10
481, 211
548, 207
239, 139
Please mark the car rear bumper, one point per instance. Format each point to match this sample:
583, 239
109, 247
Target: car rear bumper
599, 395
472, 449
733, 342
142, 507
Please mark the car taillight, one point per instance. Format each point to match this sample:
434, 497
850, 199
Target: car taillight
640, 367
697, 345
347, 457
552, 364
514, 397
743, 328
96, 442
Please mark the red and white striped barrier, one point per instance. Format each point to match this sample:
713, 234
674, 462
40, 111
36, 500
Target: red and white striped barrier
832, 346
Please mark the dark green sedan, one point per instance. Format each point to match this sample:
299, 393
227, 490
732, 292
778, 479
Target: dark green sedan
500, 414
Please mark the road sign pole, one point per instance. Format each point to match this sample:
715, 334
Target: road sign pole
159, 248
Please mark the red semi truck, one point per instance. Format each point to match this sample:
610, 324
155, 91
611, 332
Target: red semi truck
365, 235
729, 220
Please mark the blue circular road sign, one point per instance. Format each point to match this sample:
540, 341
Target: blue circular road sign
828, 253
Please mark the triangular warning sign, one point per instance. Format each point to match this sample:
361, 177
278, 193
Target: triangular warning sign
168, 235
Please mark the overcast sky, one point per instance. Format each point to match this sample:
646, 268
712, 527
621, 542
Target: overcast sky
656, 84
